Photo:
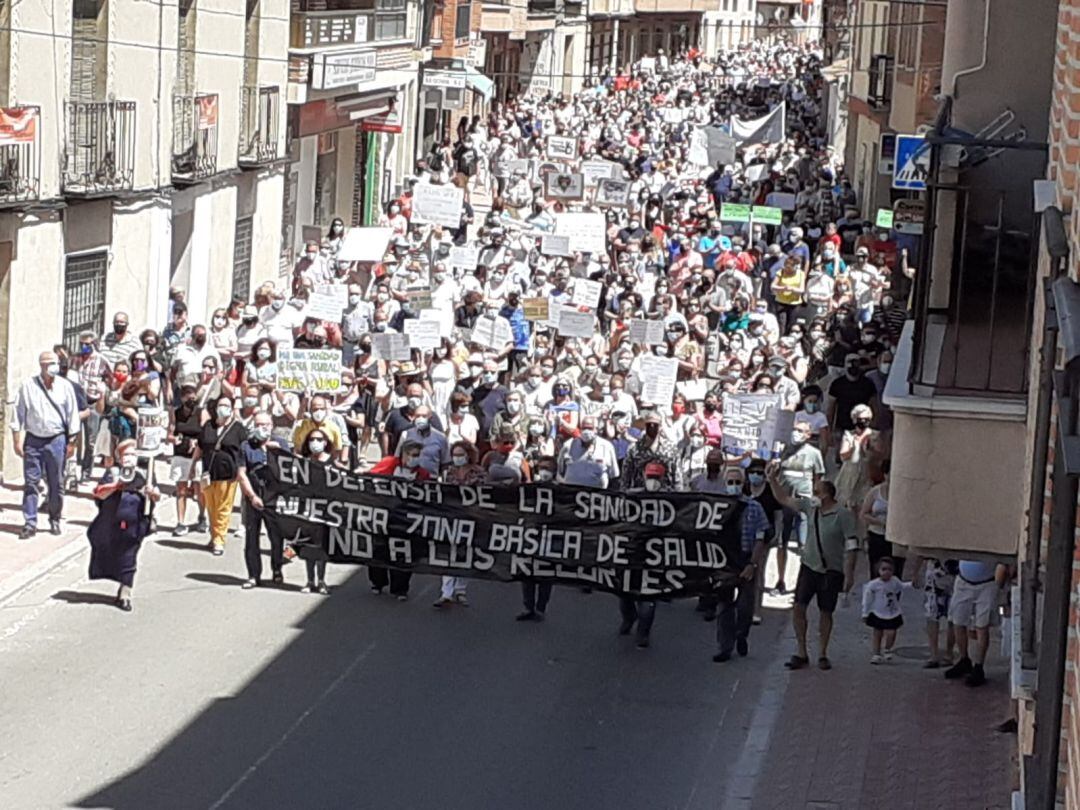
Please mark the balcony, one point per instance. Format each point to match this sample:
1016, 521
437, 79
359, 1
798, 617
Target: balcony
260, 111
195, 138
99, 154
20, 155
673, 6
880, 82
329, 30
544, 7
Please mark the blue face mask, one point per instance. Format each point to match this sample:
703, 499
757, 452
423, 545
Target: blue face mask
756, 479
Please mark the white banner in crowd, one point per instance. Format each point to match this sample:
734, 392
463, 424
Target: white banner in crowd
555, 245
422, 333
464, 256
646, 333
390, 346
326, 306
438, 205
364, 244
658, 379
317, 370
575, 324
587, 231
492, 331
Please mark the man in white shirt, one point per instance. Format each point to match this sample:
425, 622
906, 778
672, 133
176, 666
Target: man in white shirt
45, 429
281, 319
588, 460
188, 361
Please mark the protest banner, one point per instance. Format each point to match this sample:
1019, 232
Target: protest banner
884, 218
536, 309
765, 215
647, 545
464, 256
731, 212
756, 172
658, 379
698, 153
782, 200
755, 423
596, 170
324, 307
390, 346
586, 293
492, 331
769, 128
443, 317
422, 333
554, 245
587, 231
560, 147
572, 323
721, 146
646, 333
317, 370
419, 299
613, 193
438, 205
151, 428
564, 186
364, 244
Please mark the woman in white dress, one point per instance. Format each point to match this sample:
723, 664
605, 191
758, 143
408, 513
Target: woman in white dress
443, 373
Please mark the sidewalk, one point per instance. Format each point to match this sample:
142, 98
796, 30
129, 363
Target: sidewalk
893, 735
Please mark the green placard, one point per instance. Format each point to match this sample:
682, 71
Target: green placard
884, 218
766, 215
730, 212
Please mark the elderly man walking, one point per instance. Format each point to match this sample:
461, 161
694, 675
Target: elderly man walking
45, 430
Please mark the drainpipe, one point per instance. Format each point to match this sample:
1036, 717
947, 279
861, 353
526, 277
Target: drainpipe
1057, 246
1041, 773
985, 51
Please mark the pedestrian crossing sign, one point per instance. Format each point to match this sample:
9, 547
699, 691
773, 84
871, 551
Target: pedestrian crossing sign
911, 167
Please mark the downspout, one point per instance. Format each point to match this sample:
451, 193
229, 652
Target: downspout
986, 49
1058, 247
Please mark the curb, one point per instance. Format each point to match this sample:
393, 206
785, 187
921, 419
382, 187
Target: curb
19, 582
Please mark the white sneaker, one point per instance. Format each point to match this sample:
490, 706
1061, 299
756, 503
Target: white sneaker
875, 659
888, 656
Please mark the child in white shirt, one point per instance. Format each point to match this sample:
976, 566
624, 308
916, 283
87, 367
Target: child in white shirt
881, 609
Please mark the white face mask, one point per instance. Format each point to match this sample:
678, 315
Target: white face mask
513, 406
354, 300
652, 484
129, 461
277, 303
460, 461
219, 322
263, 353
421, 422
224, 411
415, 402
588, 435
318, 415
544, 476
316, 446
697, 442
261, 433
884, 367
412, 462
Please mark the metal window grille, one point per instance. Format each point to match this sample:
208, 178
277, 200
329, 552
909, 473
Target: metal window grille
84, 295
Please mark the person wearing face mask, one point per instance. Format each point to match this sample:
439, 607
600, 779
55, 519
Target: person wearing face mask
512, 417
94, 373
736, 601
693, 452
811, 413
858, 448
405, 465
651, 447
801, 465
435, 450
118, 344
319, 418
642, 612
357, 320
463, 471
223, 337
219, 450
185, 427
45, 431
401, 419
848, 391
588, 459
279, 320
488, 396
711, 421
316, 447
190, 358
125, 510
252, 478
248, 332
826, 566
178, 331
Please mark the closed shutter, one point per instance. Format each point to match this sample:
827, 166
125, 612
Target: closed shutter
241, 280
87, 52
185, 49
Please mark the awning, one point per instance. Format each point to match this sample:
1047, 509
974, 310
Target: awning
479, 82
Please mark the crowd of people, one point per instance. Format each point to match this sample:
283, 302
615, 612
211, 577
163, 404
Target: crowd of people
807, 310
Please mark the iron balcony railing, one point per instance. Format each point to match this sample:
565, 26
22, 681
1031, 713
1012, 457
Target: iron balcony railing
260, 110
20, 154
99, 155
195, 137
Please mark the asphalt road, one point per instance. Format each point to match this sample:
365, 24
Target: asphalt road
207, 696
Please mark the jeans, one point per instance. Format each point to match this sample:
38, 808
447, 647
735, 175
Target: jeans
253, 523
794, 524
43, 455
735, 614
90, 427
316, 571
643, 612
535, 595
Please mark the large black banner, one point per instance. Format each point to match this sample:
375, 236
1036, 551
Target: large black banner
640, 544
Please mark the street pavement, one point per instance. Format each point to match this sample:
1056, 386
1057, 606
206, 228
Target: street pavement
207, 696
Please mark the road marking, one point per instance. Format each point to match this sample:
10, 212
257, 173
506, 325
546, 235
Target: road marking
340, 679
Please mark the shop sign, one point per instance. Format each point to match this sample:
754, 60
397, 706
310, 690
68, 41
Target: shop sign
340, 69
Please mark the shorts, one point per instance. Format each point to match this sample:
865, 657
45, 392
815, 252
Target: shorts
884, 624
826, 587
936, 604
182, 470
973, 605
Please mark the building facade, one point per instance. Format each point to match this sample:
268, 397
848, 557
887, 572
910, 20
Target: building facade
148, 155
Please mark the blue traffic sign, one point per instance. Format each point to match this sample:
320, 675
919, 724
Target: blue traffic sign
911, 168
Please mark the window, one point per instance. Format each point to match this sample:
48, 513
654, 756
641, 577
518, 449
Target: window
462, 21
241, 274
390, 19
84, 295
